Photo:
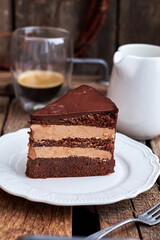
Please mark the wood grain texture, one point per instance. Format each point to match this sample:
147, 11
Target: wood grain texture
6, 87
5, 26
55, 13
143, 202
4, 101
155, 145
17, 118
20, 217
139, 22
114, 213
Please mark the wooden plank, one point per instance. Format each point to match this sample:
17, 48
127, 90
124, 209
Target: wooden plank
114, 213
5, 26
6, 87
20, 217
155, 145
17, 118
5, 11
143, 202
3, 111
55, 13
139, 22
33, 13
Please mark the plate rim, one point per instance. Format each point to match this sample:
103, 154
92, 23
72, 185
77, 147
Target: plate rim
101, 201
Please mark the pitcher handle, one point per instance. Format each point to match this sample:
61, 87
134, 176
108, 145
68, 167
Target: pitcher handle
99, 61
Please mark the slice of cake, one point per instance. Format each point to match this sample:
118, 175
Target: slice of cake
73, 136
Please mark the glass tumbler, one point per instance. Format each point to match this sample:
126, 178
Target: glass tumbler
41, 65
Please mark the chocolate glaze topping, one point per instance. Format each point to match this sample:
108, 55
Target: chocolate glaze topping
82, 100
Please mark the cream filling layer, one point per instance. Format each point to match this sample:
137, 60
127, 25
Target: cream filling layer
58, 132
62, 152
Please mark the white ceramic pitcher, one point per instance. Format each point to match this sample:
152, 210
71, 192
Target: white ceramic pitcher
135, 88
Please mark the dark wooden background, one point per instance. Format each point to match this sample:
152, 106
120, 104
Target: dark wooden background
128, 21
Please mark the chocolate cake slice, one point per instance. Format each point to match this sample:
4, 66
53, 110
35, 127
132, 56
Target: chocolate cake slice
73, 136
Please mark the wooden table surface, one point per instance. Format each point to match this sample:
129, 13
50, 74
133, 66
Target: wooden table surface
19, 217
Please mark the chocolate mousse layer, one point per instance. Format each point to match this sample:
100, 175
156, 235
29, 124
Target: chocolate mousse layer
49, 152
57, 132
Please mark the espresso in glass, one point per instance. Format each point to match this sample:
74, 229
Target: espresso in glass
41, 65
39, 85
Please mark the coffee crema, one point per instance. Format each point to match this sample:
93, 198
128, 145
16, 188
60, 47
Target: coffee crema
40, 85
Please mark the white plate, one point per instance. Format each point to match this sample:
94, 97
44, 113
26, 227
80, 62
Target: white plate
137, 169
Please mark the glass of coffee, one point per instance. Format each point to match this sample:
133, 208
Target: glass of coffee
41, 65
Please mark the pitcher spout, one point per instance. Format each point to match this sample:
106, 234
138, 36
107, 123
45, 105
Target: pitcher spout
118, 57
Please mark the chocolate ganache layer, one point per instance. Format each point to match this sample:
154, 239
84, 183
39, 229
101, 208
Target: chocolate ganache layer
78, 103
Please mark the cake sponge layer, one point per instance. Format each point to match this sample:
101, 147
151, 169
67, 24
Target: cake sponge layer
103, 119
64, 167
96, 143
